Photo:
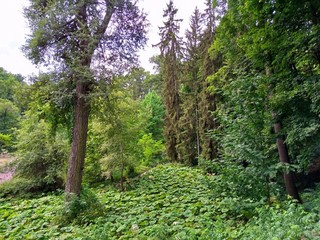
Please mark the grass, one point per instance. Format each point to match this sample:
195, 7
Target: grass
168, 202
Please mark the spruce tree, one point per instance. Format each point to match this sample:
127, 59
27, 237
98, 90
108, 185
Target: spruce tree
189, 147
170, 50
208, 100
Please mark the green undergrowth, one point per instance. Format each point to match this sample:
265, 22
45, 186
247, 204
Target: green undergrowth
167, 202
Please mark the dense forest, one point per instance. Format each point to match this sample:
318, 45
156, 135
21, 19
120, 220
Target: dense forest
222, 141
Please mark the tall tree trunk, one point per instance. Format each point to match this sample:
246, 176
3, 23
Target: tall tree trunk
283, 153
79, 139
172, 105
284, 158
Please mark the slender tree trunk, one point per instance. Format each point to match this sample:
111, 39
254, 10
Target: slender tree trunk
197, 131
284, 158
4, 120
121, 168
79, 139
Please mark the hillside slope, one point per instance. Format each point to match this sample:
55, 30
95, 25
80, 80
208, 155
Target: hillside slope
168, 202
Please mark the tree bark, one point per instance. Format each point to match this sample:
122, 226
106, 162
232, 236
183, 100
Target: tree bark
284, 158
79, 139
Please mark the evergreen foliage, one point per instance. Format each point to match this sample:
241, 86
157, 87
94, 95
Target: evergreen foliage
208, 99
189, 135
170, 47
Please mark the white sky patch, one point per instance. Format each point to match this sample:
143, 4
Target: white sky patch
154, 9
14, 31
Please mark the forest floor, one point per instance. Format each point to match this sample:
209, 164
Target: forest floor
168, 202
5, 172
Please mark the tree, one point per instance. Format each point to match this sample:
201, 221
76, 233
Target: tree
268, 62
284, 159
156, 80
154, 110
135, 83
9, 111
170, 49
208, 102
152, 141
9, 114
83, 41
8, 84
152, 150
271, 52
189, 147
123, 125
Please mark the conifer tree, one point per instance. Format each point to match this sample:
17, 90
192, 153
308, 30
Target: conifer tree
208, 100
170, 50
189, 147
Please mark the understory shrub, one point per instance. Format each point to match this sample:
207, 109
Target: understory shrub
40, 158
80, 210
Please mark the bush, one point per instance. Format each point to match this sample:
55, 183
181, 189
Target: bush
153, 150
18, 186
41, 155
80, 210
5, 140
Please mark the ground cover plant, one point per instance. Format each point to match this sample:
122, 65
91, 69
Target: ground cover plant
167, 202
233, 105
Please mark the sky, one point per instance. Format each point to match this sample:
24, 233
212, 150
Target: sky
14, 31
